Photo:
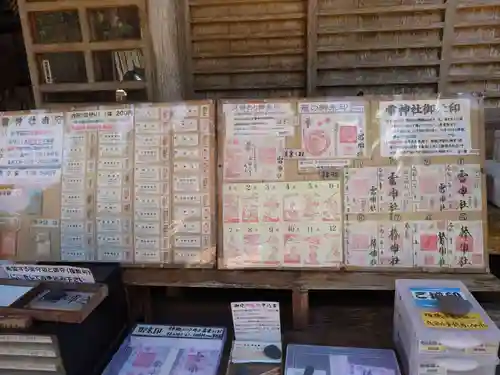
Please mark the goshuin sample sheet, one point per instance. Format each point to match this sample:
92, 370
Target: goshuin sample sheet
420, 203
169, 350
292, 224
391, 184
278, 210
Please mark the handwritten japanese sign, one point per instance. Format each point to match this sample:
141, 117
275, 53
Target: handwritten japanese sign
48, 273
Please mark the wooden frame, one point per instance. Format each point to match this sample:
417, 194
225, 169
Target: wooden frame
86, 46
299, 283
20, 307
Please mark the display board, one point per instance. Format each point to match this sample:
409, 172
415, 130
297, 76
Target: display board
352, 182
135, 184
139, 183
30, 172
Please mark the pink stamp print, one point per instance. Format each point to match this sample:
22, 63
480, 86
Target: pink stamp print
250, 209
271, 250
317, 142
251, 246
464, 244
293, 252
271, 206
314, 247
429, 242
144, 359
331, 208
231, 208
235, 159
348, 134
359, 241
292, 207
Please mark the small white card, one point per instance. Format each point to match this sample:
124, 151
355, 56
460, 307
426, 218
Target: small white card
256, 321
252, 351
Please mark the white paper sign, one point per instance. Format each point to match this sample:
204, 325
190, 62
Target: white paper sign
426, 127
34, 272
256, 321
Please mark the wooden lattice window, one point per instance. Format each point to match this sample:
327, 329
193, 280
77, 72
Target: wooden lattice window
84, 50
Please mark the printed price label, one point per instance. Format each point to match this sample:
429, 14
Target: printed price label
109, 194
149, 155
78, 213
70, 226
148, 127
147, 243
148, 140
186, 125
148, 228
147, 215
113, 164
73, 183
186, 153
151, 188
109, 208
187, 241
148, 201
186, 140
113, 240
470, 321
147, 256
113, 151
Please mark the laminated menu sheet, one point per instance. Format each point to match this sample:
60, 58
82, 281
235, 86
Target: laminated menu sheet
30, 172
174, 184
96, 200
137, 185
360, 183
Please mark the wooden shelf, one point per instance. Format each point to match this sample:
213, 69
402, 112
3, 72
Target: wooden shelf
293, 280
96, 86
90, 56
298, 282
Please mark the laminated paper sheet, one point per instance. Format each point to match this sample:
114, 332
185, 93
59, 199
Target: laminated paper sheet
352, 182
138, 185
30, 172
281, 188
131, 184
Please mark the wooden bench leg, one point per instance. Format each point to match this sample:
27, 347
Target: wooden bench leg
147, 304
300, 307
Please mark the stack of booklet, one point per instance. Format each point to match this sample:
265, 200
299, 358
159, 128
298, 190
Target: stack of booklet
169, 350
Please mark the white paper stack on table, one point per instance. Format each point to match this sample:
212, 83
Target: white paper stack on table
257, 332
169, 350
440, 328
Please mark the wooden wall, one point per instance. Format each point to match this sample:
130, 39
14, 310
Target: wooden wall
266, 48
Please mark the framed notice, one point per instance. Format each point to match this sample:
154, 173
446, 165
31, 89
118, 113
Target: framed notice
353, 183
